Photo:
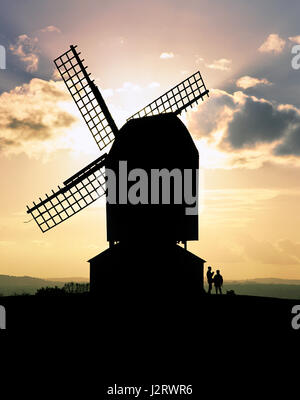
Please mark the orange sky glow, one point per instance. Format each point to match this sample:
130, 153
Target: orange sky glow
246, 131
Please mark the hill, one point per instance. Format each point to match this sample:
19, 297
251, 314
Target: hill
11, 285
266, 287
77, 279
270, 281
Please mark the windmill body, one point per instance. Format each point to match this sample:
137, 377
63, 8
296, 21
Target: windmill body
153, 144
143, 234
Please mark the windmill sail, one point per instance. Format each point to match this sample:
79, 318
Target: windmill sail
177, 99
87, 97
78, 192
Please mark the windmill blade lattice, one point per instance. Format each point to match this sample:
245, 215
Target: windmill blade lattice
79, 191
87, 97
177, 99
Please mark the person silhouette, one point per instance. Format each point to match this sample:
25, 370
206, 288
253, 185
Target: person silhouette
218, 281
209, 276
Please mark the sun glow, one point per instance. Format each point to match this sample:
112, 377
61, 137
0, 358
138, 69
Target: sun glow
209, 156
77, 137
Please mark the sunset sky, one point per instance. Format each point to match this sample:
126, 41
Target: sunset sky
247, 131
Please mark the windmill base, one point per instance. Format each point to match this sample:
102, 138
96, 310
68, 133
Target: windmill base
146, 272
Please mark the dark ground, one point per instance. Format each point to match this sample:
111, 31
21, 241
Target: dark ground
202, 316
218, 342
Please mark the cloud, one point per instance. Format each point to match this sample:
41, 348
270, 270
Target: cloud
51, 28
245, 120
165, 56
244, 131
33, 119
223, 64
259, 121
273, 44
25, 48
56, 75
245, 82
295, 39
289, 247
290, 146
211, 115
265, 252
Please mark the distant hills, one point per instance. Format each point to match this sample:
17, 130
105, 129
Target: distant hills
270, 281
268, 287
77, 279
10, 285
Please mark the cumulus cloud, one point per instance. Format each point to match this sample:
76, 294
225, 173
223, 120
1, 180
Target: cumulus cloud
32, 119
56, 75
273, 44
25, 48
295, 39
223, 64
290, 146
247, 130
246, 82
166, 55
259, 121
211, 115
51, 28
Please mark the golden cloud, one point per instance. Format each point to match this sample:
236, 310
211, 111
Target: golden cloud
166, 55
223, 64
246, 82
26, 50
33, 120
273, 44
237, 130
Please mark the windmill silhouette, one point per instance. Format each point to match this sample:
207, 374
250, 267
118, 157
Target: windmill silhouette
144, 236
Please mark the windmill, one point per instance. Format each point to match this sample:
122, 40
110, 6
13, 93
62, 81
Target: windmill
154, 137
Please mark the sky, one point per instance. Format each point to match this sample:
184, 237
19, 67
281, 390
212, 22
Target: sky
247, 132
